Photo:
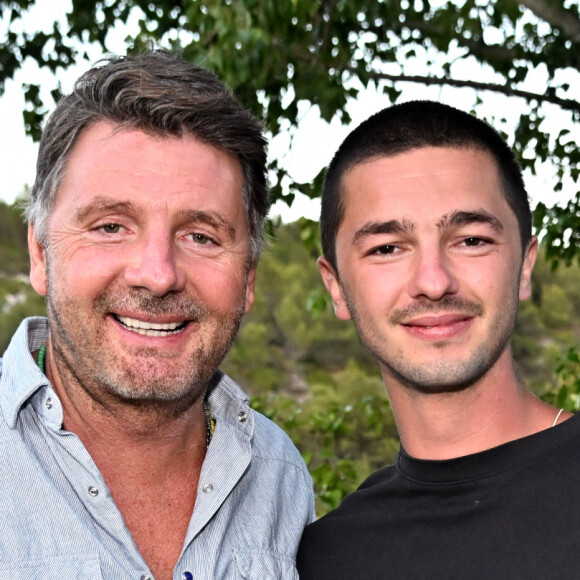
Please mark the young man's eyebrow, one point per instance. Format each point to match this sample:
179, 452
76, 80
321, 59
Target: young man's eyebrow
462, 218
388, 227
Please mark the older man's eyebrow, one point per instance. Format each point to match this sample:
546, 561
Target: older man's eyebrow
212, 219
106, 205
388, 227
462, 218
103, 205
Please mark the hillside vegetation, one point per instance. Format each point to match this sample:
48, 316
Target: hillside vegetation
308, 370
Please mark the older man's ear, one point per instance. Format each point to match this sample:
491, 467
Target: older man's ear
37, 262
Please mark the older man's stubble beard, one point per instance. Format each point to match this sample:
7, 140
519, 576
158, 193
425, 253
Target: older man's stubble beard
84, 356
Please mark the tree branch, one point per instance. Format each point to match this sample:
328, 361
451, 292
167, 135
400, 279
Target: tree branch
476, 47
556, 17
566, 104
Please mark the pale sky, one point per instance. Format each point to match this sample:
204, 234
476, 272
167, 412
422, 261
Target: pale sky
313, 146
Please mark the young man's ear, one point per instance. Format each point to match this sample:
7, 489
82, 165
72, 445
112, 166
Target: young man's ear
37, 262
332, 283
527, 267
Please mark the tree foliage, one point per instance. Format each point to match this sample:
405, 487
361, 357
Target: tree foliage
13, 243
280, 54
308, 371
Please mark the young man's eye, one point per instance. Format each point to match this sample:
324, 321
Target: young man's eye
384, 250
474, 242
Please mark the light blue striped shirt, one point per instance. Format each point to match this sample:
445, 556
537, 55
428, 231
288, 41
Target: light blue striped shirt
58, 520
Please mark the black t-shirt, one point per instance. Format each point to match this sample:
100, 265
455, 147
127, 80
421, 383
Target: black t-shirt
509, 512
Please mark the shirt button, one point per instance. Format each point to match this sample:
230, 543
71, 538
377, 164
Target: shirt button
207, 488
242, 416
187, 576
49, 403
146, 577
93, 491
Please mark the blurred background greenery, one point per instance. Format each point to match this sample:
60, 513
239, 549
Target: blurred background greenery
308, 371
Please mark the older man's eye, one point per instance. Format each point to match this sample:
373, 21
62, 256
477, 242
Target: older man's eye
111, 228
201, 239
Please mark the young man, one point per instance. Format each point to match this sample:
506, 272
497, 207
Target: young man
126, 453
426, 233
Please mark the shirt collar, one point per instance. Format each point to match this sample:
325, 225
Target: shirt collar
230, 404
21, 377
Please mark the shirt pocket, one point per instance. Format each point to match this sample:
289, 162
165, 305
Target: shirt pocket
253, 564
81, 567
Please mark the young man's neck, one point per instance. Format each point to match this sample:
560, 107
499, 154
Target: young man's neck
493, 411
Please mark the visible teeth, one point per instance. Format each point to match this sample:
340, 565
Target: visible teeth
156, 332
151, 328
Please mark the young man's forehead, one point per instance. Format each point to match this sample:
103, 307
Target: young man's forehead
447, 186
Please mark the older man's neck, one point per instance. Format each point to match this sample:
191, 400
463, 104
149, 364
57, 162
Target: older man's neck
150, 461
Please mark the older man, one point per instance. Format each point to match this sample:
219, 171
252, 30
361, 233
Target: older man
426, 232
126, 453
